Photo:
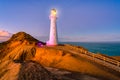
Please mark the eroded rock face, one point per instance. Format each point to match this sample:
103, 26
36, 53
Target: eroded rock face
31, 70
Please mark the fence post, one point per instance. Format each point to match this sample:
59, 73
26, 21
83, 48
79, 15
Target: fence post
85, 52
104, 60
118, 63
93, 55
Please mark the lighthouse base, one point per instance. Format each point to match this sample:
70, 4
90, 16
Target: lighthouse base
48, 43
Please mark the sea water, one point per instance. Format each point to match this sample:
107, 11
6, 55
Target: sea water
108, 48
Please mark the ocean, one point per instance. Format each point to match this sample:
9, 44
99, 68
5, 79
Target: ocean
107, 48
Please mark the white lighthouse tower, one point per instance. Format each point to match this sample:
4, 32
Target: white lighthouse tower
53, 39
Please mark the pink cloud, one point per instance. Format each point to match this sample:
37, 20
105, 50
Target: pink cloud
4, 33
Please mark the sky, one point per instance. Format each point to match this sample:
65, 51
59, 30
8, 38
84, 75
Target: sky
78, 20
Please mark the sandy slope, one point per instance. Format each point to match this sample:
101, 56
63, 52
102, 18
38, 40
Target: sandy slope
69, 61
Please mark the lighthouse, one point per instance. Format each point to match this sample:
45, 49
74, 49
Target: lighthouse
53, 39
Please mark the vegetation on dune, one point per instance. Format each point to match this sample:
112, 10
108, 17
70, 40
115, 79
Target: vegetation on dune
31, 70
21, 36
18, 39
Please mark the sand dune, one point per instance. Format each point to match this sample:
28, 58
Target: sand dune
21, 53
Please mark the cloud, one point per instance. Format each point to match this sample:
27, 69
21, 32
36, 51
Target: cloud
4, 35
